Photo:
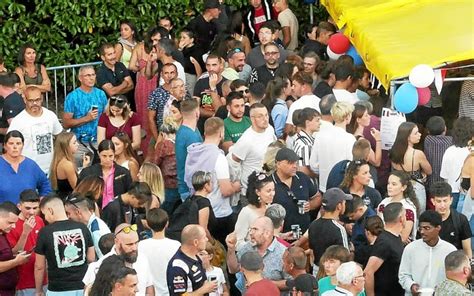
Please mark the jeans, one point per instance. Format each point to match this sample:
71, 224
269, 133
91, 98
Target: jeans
455, 196
65, 293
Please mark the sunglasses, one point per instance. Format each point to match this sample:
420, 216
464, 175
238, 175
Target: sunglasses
115, 100
128, 229
244, 91
234, 50
73, 200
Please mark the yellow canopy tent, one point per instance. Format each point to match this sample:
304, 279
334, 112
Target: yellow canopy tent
393, 36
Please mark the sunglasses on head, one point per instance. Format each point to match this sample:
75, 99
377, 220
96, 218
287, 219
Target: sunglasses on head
73, 200
128, 229
234, 50
116, 100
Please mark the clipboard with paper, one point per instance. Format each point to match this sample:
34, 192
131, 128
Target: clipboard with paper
389, 124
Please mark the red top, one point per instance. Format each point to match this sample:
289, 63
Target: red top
164, 156
259, 19
111, 130
26, 272
262, 287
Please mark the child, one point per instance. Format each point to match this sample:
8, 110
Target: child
213, 272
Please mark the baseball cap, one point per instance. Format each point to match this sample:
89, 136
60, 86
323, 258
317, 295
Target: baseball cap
209, 4
332, 197
251, 261
286, 154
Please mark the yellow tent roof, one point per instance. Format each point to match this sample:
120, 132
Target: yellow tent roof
393, 36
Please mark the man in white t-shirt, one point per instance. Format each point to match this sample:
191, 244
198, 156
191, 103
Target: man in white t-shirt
302, 88
344, 73
126, 245
38, 126
208, 157
289, 24
250, 149
332, 145
158, 249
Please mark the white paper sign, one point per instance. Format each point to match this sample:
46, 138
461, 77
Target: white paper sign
389, 124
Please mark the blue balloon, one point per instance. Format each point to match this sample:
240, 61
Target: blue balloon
353, 53
406, 98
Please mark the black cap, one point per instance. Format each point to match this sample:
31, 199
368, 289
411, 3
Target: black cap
303, 283
286, 154
210, 4
332, 197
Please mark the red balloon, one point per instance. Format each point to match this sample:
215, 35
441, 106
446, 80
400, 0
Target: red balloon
424, 95
339, 43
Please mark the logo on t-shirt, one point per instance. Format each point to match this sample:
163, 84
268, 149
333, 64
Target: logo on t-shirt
44, 144
69, 248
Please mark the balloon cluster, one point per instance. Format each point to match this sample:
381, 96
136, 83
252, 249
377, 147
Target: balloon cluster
339, 45
417, 91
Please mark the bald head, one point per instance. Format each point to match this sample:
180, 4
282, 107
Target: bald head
191, 233
264, 223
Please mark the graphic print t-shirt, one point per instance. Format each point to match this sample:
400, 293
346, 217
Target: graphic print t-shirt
64, 245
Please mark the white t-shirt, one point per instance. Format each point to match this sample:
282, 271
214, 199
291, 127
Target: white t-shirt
331, 145
220, 204
343, 95
251, 149
217, 272
159, 253
451, 165
246, 217
287, 18
141, 266
38, 133
305, 101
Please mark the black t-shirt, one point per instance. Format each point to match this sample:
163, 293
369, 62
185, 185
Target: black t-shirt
262, 74
205, 99
389, 248
301, 189
324, 233
64, 245
10, 107
322, 89
182, 271
316, 47
455, 234
115, 77
196, 53
204, 32
203, 202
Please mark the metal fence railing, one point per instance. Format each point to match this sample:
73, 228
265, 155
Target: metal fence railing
63, 81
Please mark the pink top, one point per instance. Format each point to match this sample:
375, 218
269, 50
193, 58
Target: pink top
108, 194
111, 130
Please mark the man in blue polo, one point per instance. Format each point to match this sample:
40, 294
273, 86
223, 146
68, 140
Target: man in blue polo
294, 190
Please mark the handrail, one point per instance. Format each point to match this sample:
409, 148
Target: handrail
58, 97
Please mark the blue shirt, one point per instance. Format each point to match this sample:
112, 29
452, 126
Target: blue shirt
157, 101
279, 114
184, 137
29, 176
79, 103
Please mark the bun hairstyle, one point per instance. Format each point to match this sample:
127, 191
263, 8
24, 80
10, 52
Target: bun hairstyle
256, 181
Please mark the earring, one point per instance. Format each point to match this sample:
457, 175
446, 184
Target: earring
259, 199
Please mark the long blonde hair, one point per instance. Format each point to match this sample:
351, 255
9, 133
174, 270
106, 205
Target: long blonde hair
61, 151
151, 174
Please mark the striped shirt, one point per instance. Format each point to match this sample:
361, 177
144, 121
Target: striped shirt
435, 146
302, 146
466, 99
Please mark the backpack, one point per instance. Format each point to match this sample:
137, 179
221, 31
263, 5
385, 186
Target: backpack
186, 213
336, 175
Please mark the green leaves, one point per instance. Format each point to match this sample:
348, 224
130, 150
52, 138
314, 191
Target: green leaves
70, 32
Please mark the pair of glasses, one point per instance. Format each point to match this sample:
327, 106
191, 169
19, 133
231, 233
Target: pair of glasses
246, 91
73, 199
291, 195
117, 100
128, 229
359, 276
359, 162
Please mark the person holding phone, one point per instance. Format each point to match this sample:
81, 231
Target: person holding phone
82, 109
213, 273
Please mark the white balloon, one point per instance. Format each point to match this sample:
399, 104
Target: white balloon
332, 55
421, 76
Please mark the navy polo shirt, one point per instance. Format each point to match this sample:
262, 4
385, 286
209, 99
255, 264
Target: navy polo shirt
116, 77
301, 189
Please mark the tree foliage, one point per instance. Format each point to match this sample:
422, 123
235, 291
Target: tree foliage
70, 32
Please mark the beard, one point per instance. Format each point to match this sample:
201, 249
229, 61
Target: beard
130, 257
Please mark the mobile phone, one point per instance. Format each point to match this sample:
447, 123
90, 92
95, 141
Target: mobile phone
212, 278
94, 107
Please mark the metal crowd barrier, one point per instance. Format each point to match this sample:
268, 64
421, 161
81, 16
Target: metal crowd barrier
62, 77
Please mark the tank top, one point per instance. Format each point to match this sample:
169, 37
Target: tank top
33, 80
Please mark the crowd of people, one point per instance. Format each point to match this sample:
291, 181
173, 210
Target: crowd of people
230, 159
